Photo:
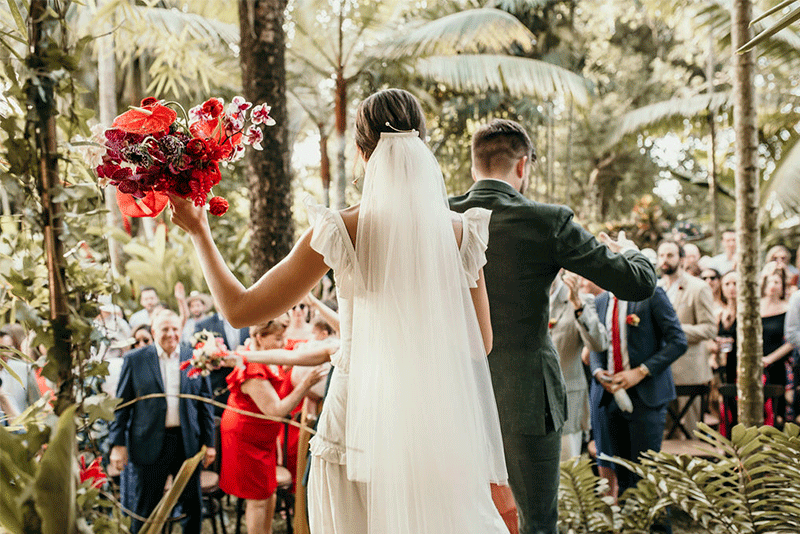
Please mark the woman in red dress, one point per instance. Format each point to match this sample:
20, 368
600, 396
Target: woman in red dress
249, 444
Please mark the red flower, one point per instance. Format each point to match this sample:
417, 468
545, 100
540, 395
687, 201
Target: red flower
212, 107
185, 364
212, 130
146, 120
94, 472
149, 101
196, 148
217, 206
632, 320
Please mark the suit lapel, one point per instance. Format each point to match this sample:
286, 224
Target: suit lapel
155, 366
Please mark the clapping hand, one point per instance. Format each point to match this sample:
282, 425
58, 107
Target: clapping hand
572, 281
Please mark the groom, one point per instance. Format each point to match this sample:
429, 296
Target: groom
528, 243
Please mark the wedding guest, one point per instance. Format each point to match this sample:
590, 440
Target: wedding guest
724, 348
783, 259
712, 277
726, 261
646, 338
299, 328
322, 330
148, 298
198, 305
691, 257
160, 433
249, 443
777, 350
693, 304
18, 395
142, 336
574, 325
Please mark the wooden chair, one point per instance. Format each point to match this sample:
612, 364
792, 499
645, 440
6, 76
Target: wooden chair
688, 444
209, 485
301, 498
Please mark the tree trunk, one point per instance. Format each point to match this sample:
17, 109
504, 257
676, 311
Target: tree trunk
712, 150
41, 98
551, 153
264, 81
749, 350
570, 126
324, 165
107, 89
340, 105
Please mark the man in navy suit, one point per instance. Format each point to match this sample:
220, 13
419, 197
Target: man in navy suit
233, 338
158, 434
646, 337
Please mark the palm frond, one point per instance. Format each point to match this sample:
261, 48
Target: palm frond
518, 6
515, 76
483, 30
583, 505
766, 33
198, 27
784, 185
784, 42
652, 114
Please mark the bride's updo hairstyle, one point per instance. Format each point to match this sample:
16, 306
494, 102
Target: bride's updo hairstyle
397, 107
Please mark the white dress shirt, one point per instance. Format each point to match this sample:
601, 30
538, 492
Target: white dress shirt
623, 334
171, 375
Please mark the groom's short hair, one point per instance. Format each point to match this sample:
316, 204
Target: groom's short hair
498, 145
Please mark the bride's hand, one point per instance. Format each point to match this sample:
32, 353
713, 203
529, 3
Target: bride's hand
192, 219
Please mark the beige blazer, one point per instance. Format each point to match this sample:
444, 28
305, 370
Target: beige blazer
694, 306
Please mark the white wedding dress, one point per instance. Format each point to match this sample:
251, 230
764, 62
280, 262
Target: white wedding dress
408, 439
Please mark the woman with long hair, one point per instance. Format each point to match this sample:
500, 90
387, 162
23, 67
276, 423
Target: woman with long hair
409, 438
777, 351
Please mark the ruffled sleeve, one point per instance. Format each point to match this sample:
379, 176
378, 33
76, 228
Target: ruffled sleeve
239, 375
474, 240
327, 238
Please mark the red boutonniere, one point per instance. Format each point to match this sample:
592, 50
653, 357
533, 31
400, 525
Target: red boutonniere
551, 323
632, 320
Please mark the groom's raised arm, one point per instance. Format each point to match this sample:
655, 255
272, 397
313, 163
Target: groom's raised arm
628, 274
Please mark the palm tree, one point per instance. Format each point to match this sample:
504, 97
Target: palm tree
750, 353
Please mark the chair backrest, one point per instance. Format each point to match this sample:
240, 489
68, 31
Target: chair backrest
674, 416
771, 391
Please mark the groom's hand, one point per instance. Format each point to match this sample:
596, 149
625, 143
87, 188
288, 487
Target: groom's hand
620, 245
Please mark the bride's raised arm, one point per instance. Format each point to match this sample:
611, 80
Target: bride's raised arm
283, 286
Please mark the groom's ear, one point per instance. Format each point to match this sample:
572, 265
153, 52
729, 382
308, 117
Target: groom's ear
520, 167
474, 176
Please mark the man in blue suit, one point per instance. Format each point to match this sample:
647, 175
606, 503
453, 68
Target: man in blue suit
233, 338
158, 434
646, 337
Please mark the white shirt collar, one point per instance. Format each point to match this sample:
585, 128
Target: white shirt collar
162, 353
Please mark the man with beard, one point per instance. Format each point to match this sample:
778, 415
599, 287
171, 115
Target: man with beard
693, 303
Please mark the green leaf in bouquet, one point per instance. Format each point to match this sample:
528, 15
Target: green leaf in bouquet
57, 479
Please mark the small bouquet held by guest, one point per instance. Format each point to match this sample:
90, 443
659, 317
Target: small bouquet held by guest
150, 152
209, 354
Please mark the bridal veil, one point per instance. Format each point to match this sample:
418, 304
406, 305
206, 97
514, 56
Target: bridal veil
422, 425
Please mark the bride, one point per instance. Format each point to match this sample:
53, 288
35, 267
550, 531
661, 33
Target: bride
409, 440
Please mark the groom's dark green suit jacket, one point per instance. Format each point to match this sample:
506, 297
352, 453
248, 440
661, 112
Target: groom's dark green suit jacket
528, 243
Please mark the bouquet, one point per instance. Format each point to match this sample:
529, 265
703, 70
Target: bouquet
150, 152
208, 355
